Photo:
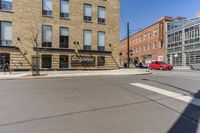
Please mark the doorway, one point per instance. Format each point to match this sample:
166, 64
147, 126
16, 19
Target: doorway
4, 58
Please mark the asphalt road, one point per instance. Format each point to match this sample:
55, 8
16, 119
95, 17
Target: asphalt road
158, 103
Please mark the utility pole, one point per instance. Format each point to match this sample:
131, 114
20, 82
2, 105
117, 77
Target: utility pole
128, 43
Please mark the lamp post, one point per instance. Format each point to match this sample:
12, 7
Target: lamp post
128, 43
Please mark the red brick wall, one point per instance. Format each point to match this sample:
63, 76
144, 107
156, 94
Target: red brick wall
158, 38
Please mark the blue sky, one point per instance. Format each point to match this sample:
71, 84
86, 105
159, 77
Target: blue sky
141, 13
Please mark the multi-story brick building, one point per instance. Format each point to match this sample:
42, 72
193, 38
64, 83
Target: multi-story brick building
64, 34
147, 44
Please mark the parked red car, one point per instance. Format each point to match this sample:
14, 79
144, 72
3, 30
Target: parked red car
160, 65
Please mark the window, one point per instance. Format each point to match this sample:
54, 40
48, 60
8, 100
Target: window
5, 34
63, 61
47, 8
87, 12
6, 5
140, 49
101, 14
149, 47
160, 44
87, 40
154, 45
64, 37
101, 41
47, 61
64, 8
101, 61
46, 36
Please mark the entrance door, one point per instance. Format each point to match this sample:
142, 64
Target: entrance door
63, 62
4, 58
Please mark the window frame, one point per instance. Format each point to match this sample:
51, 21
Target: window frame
46, 66
67, 14
101, 48
101, 20
50, 43
87, 18
5, 9
1, 44
87, 47
67, 44
45, 14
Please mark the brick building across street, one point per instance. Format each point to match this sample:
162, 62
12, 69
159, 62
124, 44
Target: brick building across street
147, 45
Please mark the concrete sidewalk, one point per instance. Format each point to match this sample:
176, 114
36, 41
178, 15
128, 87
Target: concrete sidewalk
181, 68
62, 74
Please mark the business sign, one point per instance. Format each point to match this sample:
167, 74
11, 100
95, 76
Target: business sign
83, 61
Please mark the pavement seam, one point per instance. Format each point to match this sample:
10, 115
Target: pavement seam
73, 113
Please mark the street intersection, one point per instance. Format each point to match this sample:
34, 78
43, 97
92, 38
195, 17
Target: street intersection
165, 101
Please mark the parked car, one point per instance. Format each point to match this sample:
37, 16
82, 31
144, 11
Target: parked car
142, 65
160, 65
195, 66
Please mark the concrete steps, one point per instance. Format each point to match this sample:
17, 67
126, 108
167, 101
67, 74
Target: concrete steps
19, 62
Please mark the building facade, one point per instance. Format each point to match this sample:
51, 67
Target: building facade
147, 45
59, 34
183, 41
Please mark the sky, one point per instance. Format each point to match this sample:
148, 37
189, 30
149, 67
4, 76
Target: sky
142, 13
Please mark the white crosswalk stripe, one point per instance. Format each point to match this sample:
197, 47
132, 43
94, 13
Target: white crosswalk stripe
181, 97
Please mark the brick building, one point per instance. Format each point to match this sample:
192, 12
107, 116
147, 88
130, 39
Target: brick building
146, 45
64, 34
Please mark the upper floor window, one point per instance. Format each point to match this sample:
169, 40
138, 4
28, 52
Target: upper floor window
46, 36
47, 8
101, 14
6, 5
64, 37
5, 34
87, 12
64, 8
87, 40
101, 41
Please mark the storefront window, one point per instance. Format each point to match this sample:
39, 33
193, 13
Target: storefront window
101, 61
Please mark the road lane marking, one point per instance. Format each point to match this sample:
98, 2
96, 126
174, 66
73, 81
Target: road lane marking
181, 97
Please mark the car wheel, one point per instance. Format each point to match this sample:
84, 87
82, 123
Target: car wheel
160, 68
169, 68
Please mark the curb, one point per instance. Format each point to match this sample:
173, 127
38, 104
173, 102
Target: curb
74, 76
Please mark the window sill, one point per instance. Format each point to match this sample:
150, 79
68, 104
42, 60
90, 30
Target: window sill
47, 16
101, 23
65, 18
87, 21
8, 11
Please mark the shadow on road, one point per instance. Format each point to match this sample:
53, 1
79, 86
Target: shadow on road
188, 121
190, 117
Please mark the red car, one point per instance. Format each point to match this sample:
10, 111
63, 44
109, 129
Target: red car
160, 65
